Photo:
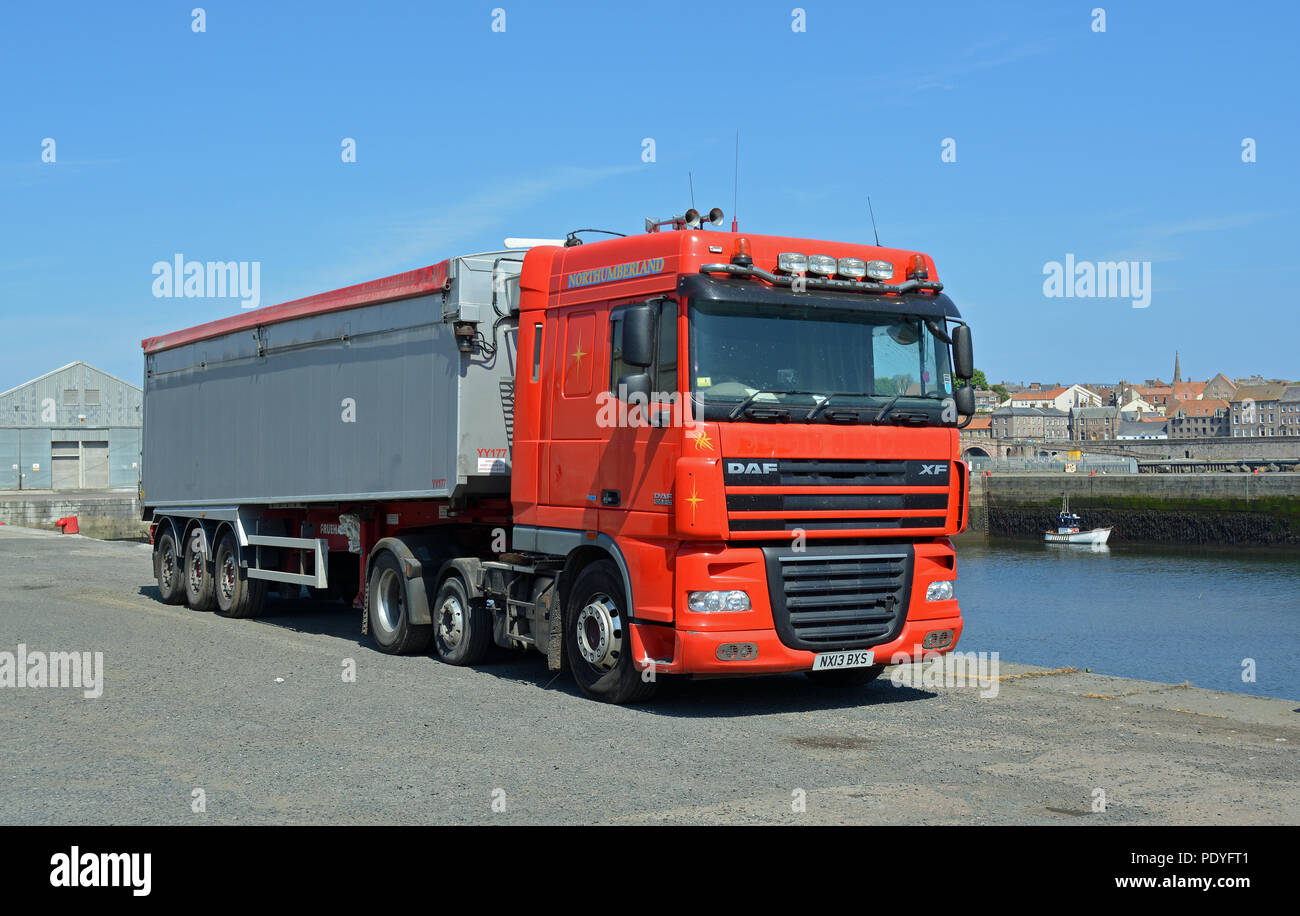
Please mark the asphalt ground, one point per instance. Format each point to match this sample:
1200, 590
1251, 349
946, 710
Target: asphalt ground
255, 719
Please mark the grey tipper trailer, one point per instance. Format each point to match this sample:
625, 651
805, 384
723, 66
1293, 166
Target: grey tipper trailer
382, 401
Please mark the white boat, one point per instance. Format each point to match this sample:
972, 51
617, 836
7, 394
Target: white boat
1068, 531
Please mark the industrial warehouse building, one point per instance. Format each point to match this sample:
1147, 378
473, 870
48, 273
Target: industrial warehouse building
76, 428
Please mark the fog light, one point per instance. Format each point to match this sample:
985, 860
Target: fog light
792, 262
939, 591
736, 651
937, 639
880, 270
823, 265
718, 602
852, 267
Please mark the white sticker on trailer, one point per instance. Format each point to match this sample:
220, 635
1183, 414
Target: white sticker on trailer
392, 518
493, 466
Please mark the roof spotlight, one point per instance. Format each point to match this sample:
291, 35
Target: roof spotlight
692, 218
715, 216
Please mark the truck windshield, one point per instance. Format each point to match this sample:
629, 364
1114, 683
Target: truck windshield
782, 362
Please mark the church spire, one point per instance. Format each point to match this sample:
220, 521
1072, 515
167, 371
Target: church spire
1177, 375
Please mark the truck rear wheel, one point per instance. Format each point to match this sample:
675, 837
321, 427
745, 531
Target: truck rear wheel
462, 630
167, 569
388, 603
845, 677
598, 638
237, 595
199, 590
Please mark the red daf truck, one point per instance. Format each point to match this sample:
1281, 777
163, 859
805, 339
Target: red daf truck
685, 452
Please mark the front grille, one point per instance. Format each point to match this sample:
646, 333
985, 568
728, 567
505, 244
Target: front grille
839, 597
892, 504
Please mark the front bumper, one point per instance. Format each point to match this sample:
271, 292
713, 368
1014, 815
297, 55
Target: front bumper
696, 652
692, 645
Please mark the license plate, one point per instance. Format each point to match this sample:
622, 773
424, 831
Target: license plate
826, 661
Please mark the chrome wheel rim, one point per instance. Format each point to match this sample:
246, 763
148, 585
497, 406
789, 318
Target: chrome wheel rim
194, 570
451, 622
599, 632
390, 607
227, 578
167, 566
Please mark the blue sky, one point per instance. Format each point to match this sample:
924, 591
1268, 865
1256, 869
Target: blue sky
225, 145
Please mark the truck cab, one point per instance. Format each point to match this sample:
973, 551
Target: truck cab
762, 432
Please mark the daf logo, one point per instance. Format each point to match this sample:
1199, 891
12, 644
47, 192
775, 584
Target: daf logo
753, 467
934, 469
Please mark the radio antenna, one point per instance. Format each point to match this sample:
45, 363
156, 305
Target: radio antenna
735, 188
692, 181
873, 220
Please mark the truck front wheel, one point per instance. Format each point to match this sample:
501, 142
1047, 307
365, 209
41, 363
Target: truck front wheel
237, 595
598, 638
168, 570
388, 605
462, 631
199, 590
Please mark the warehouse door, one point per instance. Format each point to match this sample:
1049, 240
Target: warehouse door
65, 465
95, 461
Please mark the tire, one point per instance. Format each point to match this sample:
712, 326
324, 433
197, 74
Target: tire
237, 595
462, 629
845, 677
168, 569
387, 603
199, 580
597, 638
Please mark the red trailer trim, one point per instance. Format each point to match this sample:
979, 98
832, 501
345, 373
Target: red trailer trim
418, 282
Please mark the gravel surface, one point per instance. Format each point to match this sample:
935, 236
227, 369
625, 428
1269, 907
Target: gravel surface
257, 714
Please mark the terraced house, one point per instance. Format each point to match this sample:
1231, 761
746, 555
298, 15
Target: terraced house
1257, 410
1194, 418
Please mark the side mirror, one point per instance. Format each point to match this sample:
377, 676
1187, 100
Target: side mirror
965, 398
963, 360
633, 388
639, 335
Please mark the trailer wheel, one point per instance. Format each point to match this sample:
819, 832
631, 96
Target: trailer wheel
168, 569
199, 590
597, 638
237, 595
462, 629
386, 603
845, 677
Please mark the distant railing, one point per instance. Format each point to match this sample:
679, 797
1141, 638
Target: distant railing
1086, 465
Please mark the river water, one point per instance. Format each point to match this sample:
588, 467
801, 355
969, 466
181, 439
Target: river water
1153, 613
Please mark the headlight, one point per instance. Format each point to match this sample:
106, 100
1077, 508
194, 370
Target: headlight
822, 264
880, 270
717, 602
939, 591
792, 262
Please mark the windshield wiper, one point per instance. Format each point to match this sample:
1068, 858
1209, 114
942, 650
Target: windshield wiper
740, 408
884, 411
817, 411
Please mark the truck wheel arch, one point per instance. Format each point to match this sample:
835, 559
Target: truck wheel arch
417, 598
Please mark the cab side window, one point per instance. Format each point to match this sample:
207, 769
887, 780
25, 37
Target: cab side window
663, 374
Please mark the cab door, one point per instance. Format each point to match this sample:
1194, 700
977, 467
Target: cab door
576, 441
641, 447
